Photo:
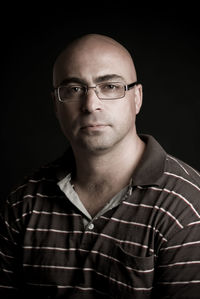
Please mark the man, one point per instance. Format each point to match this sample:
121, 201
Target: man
116, 216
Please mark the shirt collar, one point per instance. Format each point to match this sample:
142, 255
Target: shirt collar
152, 164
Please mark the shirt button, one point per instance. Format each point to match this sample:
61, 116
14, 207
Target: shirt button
91, 226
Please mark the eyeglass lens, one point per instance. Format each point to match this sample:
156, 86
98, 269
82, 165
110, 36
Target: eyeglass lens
107, 90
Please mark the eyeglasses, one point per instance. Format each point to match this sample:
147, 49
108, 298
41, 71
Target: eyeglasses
104, 91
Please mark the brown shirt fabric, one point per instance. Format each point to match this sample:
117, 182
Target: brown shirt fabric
147, 246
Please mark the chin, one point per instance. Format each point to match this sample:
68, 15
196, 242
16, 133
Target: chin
96, 146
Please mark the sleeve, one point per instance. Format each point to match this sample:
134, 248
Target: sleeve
10, 254
178, 265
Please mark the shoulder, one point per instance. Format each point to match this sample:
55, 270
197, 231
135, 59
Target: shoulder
182, 173
42, 181
174, 185
181, 185
37, 193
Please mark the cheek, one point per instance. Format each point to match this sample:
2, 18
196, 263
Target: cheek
126, 110
129, 116
66, 115
132, 109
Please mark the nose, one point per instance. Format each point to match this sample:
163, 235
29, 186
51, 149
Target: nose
91, 102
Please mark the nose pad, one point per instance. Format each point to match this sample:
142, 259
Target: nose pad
93, 88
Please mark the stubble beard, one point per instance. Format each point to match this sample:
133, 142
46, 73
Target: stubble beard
99, 142
96, 143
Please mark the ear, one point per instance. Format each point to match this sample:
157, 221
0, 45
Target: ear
138, 97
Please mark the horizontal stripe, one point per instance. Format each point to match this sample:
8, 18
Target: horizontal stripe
55, 213
178, 164
135, 223
194, 223
42, 196
13, 229
86, 289
195, 171
88, 232
17, 189
81, 288
31, 181
54, 230
47, 213
180, 282
183, 179
7, 287
180, 245
41, 180
88, 251
89, 270
180, 264
120, 241
7, 271
178, 195
154, 207
34, 196
7, 240
6, 255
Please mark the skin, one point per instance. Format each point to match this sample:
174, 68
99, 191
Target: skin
102, 133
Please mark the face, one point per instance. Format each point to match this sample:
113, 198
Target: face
91, 124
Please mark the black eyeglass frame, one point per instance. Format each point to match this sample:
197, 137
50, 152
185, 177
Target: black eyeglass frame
126, 88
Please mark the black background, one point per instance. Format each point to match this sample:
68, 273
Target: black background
165, 43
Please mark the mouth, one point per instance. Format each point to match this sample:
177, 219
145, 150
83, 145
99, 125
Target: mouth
94, 126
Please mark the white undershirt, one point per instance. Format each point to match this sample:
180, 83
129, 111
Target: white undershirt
66, 186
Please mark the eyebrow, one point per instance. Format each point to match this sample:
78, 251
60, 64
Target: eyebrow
72, 80
109, 77
96, 80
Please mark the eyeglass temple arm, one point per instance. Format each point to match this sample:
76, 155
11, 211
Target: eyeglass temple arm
129, 86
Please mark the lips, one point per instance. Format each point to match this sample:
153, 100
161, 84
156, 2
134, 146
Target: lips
95, 125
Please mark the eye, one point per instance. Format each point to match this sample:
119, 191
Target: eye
109, 86
75, 89
71, 91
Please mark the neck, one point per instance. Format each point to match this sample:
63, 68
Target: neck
112, 168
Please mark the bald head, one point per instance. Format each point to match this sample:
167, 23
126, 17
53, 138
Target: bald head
93, 55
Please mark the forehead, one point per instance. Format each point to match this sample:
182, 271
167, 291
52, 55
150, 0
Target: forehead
93, 59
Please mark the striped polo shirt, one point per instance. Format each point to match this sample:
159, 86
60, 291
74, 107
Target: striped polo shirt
145, 246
